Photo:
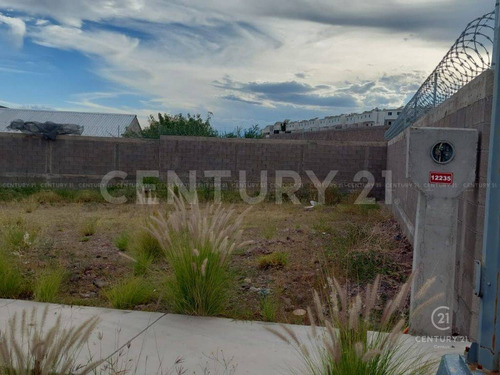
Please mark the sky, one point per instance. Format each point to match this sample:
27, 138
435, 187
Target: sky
244, 61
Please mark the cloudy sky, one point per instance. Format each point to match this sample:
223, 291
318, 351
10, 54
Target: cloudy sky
246, 61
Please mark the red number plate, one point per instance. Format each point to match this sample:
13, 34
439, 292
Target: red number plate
441, 178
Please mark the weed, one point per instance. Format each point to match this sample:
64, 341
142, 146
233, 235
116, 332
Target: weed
122, 241
11, 280
47, 286
364, 265
28, 347
278, 260
270, 231
88, 196
322, 226
30, 205
268, 308
130, 293
46, 197
345, 346
147, 245
16, 236
355, 252
142, 263
88, 227
198, 243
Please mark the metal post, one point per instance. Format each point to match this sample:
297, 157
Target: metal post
416, 107
435, 89
486, 351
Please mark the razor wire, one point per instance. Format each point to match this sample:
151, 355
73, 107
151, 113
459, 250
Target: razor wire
470, 56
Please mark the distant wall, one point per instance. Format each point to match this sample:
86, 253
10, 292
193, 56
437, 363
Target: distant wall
369, 134
83, 160
469, 108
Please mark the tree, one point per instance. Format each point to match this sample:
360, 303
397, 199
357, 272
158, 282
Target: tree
239, 132
167, 124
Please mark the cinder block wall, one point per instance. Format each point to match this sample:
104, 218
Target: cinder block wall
184, 154
72, 160
469, 108
82, 161
369, 134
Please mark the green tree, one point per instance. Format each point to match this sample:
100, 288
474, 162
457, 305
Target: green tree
177, 125
251, 132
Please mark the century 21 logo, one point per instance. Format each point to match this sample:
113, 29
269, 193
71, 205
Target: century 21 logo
441, 318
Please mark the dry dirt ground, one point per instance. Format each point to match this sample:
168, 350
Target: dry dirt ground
350, 242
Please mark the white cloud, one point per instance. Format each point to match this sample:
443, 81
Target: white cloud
174, 50
101, 43
17, 29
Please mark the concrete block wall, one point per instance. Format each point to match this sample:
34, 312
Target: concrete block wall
76, 161
469, 108
368, 134
72, 160
183, 154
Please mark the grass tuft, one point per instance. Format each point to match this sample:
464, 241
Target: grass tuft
130, 293
122, 242
360, 253
88, 196
278, 260
46, 197
198, 242
142, 263
17, 236
47, 285
11, 280
30, 347
88, 227
269, 308
344, 345
147, 245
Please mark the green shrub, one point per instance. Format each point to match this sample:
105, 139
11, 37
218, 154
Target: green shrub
47, 285
11, 280
278, 259
88, 227
130, 293
198, 243
122, 241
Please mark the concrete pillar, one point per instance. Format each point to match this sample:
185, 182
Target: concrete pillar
434, 256
441, 164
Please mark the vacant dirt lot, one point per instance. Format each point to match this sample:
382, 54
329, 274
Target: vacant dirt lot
294, 250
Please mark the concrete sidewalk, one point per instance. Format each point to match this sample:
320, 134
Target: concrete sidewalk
206, 345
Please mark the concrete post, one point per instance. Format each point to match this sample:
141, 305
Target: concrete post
434, 257
441, 164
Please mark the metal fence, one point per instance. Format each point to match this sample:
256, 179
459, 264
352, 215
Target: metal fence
467, 58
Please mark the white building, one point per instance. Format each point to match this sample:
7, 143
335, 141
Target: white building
375, 117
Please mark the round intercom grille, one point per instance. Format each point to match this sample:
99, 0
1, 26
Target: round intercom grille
442, 152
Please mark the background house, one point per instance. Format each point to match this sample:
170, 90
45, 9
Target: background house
95, 124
